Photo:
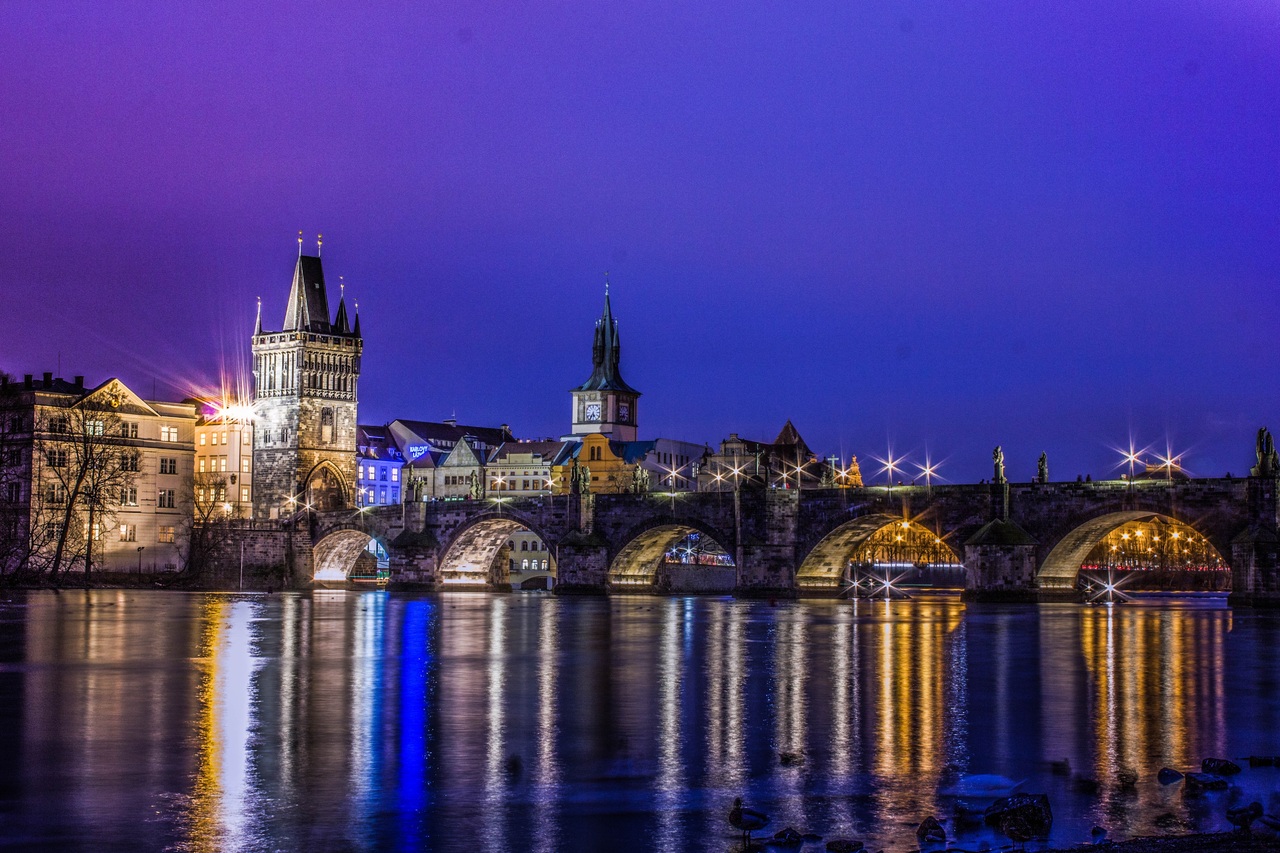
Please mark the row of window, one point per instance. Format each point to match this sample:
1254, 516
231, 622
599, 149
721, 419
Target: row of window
218, 494
370, 496
214, 438
526, 545
56, 495
531, 565
218, 464
57, 458
372, 472
525, 485
166, 534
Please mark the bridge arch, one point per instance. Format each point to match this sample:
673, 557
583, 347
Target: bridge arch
472, 556
639, 563
339, 553
1061, 566
825, 565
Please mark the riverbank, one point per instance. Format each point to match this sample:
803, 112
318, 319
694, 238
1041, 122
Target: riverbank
1209, 842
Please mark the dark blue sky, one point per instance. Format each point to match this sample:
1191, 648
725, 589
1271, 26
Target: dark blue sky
943, 225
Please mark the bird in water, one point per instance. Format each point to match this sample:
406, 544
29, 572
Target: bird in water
747, 820
1242, 819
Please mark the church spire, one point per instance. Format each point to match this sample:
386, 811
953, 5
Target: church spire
257, 326
606, 353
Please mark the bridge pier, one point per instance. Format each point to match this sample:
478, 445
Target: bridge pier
582, 566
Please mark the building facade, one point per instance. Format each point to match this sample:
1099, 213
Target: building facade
305, 380
223, 478
93, 476
379, 465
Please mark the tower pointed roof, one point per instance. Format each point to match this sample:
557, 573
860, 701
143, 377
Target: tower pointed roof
340, 323
308, 308
790, 437
606, 354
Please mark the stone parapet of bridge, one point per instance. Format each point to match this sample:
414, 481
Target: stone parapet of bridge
789, 542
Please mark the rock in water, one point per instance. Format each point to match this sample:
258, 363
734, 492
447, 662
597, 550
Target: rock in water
1197, 782
1168, 776
1099, 835
1030, 810
791, 759
931, 832
789, 837
1219, 767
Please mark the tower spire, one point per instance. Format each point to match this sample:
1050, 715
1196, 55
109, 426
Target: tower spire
299, 243
319, 244
340, 323
257, 326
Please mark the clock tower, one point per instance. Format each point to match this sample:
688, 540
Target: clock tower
605, 403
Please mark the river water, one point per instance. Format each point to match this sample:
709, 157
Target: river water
374, 721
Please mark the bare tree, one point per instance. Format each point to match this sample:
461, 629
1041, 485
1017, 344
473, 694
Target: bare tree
82, 464
212, 515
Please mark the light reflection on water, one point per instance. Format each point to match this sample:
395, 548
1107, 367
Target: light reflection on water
369, 721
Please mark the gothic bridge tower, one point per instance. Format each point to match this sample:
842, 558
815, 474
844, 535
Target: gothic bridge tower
605, 403
304, 379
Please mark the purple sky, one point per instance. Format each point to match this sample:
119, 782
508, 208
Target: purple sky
943, 225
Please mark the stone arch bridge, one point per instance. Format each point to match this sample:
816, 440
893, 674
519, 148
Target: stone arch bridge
1023, 540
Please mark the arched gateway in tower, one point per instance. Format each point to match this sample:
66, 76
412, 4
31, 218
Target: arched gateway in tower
304, 379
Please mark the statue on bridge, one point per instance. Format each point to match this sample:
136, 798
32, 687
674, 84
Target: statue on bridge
1042, 468
640, 480
579, 479
1268, 461
997, 456
477, 487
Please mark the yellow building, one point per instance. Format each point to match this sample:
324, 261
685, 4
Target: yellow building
601, 464
223, 483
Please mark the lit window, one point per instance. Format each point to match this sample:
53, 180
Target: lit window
244, 494
244, 464
201, 465
128, 533
164, 534
165, 498
395, 475
202, 438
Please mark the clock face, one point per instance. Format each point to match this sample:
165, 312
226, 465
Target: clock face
624, 412
593, 411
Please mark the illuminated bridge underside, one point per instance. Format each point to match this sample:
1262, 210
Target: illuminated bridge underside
335, 555
1062, 565
638, 562
470, 560
825, 564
